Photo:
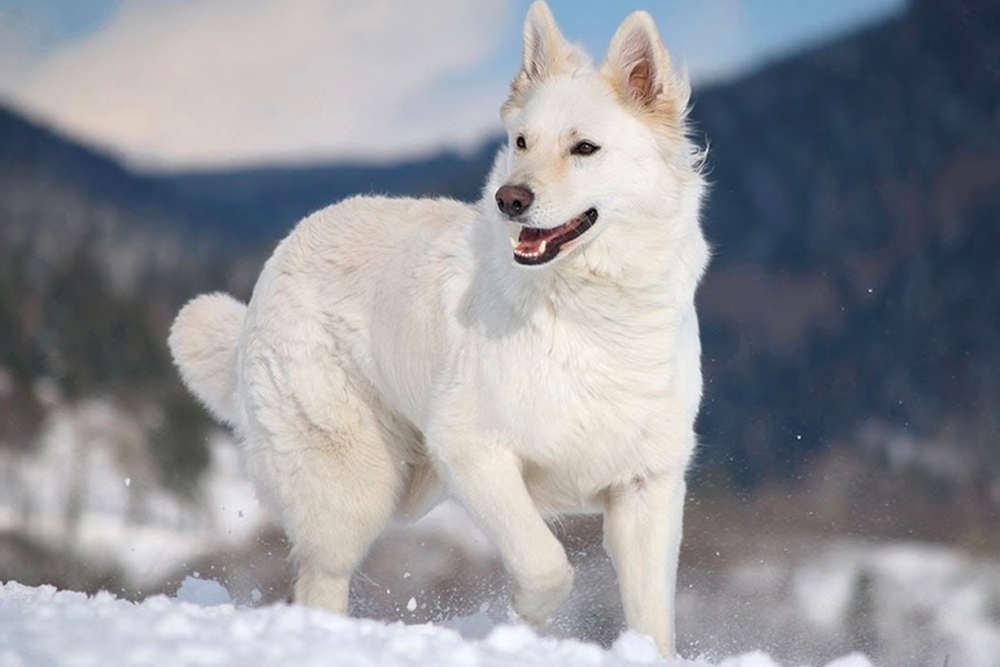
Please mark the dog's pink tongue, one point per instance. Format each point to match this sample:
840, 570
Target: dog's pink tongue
529, 240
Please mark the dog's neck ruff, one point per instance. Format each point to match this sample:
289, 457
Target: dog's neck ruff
589, 278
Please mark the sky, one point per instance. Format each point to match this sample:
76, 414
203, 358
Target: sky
170, 84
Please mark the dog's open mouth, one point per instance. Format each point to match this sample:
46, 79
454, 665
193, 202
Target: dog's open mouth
537, 246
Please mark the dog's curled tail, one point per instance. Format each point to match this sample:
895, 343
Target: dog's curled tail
203, 341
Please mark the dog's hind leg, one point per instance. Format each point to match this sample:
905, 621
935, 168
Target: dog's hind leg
642, 534
346, 497
335, 487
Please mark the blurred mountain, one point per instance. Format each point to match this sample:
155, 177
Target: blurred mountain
856, 222
854, 295
94, 262
269, 200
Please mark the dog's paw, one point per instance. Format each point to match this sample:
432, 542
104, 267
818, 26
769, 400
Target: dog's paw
537, 600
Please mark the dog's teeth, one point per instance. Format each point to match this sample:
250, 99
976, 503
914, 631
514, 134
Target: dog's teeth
513, 243
541, 248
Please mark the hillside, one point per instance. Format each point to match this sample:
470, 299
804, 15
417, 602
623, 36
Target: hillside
854, 216
94, 262
269, 200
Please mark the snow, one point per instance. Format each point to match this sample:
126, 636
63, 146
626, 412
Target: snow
201, 626
953, 596
852, 660
203, 592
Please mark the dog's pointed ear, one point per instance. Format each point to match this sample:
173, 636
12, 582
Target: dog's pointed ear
543, 44
639, 68
544, 53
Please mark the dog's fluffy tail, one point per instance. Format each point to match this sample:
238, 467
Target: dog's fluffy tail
203, 341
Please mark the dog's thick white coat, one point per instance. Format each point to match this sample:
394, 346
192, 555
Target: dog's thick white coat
392, 347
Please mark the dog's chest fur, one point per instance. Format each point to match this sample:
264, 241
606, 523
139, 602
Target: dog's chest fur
583, 395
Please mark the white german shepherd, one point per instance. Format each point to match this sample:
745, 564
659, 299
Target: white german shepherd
533, 354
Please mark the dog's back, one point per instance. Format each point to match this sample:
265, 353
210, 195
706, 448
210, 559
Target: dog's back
340, 265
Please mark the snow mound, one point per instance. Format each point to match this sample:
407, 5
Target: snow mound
43, 626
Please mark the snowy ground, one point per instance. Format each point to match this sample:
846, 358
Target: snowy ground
42, 626
89, 486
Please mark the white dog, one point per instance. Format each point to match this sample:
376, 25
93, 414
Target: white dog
534, 354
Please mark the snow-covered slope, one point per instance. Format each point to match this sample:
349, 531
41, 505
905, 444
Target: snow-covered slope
43, 626
89, 488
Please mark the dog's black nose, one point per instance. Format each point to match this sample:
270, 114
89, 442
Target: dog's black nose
513, 200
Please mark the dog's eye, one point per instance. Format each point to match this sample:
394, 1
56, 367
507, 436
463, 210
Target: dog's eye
585, 148
521, 143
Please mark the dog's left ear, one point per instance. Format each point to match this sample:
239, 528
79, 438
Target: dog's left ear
639, 68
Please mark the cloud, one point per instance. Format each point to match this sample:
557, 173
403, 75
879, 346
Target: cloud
200, 82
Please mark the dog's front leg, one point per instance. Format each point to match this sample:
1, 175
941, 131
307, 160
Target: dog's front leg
642, 534
487, 479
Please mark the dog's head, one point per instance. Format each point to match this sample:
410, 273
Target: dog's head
592, 154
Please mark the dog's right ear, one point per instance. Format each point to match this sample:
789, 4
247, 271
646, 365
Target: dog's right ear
545, 53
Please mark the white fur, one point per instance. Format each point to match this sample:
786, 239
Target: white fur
203, 335
393, 343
